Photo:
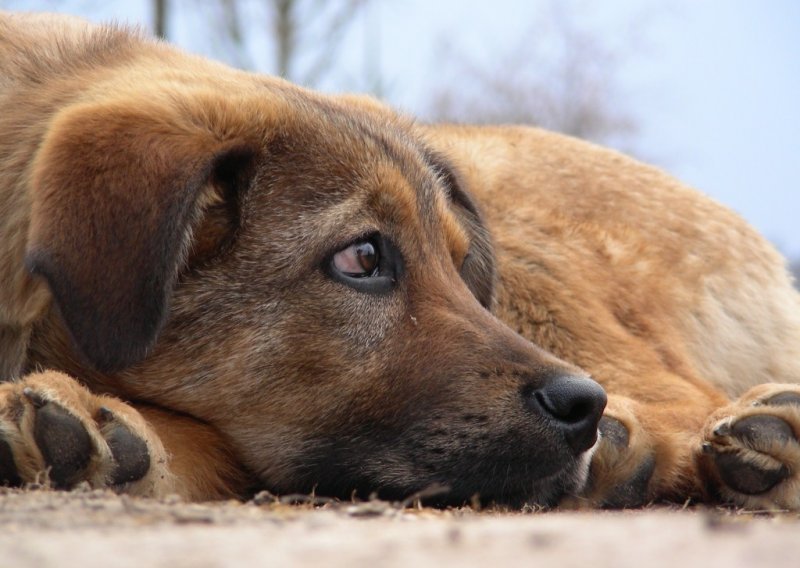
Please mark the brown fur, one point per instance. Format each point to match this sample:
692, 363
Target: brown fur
167, 228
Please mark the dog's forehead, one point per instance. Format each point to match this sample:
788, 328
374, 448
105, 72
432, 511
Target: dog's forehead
397, 182
339, 152
337, 173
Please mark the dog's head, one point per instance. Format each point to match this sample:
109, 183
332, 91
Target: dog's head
307, 276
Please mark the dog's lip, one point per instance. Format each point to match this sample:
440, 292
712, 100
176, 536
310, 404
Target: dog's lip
574, 477
547, 491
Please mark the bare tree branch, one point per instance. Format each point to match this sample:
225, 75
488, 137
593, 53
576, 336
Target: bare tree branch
560, 77
160, 18
285, 30
332, 37
306, 34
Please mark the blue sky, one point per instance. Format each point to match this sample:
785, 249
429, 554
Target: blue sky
714, 85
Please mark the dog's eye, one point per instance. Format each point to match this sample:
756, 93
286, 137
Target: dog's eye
359, 260
370, 264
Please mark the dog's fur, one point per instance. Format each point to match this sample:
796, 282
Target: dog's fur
167, 230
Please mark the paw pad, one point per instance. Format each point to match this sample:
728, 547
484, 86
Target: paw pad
762, 429
747, 477
65, 444
784, 399
131, 457
8, 468
614, 431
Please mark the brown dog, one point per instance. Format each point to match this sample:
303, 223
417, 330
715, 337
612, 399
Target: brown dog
254, 285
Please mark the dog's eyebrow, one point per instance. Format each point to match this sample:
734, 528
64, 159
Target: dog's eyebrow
450, 180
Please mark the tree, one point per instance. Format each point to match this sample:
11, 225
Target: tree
160, 18
561, 76
306, 34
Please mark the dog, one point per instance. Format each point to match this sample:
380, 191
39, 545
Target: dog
215, 282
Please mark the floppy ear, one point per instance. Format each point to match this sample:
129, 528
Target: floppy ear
478, 269
114, 193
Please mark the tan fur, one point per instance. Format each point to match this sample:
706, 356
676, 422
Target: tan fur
165, 227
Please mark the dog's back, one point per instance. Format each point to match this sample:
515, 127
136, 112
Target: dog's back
612, 236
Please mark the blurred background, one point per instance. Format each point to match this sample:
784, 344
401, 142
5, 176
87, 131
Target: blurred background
706, 89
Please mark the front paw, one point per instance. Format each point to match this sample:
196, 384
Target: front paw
751, 452
623, 464
54, 430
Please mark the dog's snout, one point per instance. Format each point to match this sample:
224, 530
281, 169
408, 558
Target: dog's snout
576, 404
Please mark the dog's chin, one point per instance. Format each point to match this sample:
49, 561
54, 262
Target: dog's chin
344, 469
517, 492
512, 491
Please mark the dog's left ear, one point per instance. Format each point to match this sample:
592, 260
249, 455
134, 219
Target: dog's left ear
478, 269
115, 191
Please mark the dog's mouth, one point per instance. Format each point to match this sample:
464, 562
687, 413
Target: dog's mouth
515, 490
512, 479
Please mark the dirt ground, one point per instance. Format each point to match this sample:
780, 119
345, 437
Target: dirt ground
93, 528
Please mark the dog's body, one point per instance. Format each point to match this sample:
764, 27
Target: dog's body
290, 290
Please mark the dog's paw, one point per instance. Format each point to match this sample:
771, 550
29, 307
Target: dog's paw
751, 449
623, 464
53, 430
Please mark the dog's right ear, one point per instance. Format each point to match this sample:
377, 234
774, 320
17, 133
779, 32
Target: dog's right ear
478, 269
115, 190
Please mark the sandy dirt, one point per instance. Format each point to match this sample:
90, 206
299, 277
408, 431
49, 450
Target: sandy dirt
92, 528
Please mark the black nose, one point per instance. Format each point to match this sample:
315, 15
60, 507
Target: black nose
576, 404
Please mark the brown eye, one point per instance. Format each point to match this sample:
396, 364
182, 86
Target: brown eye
359, 260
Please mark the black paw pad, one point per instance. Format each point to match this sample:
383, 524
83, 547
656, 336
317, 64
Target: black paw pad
130, 454
760, 430
614, 431
8, 468
632, 493
746, 477
64, 443
784, 399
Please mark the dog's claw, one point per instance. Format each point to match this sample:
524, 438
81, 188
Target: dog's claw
723, 429
36, 399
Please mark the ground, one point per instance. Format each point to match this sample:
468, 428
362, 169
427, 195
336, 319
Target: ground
96, 528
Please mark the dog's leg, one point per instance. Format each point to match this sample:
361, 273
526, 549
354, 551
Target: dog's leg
648, 449
54, 430
751, 451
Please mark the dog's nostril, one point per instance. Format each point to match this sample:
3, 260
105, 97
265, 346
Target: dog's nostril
564, 408
577, 404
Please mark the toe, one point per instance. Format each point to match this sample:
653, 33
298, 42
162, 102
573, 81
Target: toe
633, 492
761, 430
65, 444
614, 431
747, 477
784, 399
131, 457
